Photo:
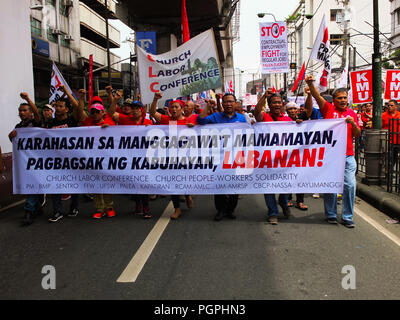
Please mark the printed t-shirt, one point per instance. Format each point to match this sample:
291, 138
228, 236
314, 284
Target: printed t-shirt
88, 122
330, 112
68, 122
166, 120
268, 118
127, 120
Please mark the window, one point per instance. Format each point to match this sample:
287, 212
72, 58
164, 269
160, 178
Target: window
36, 27
63, 42
336, 13
398, 16
335, 39
51, 2
50, 36
63, 8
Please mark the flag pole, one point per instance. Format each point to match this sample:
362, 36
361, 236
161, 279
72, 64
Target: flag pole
302, 79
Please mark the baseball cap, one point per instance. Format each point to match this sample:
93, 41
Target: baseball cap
182, 103
97, 106
97, 99
48, 106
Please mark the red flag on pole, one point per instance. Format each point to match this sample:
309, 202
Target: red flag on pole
299, 77
90, 79
185, 23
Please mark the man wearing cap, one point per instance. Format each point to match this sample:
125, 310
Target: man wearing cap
133, 114
340, 109
97, 117
48, 112
63, 120
225, 204
177, 117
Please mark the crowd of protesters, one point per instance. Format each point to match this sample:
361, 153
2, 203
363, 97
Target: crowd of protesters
69, 112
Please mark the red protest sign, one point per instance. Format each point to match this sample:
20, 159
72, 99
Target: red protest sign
361, 84
392, 90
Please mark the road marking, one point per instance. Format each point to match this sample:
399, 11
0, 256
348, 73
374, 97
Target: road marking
138, 261
377, 226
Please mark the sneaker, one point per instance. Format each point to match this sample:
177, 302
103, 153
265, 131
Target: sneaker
28, 218
73, 213
273, 220
219, 216
139, 209
146, 213
286, 212
110, 213
65, 197
315, 195
348, 224
98, 215
56, 216
332, 220
230, 215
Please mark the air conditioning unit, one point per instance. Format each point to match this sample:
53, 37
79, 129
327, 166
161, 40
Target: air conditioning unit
68, 37
56, 31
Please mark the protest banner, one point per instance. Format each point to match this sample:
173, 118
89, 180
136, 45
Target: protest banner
392, 90
56, 80
361, 85
192, 67
278, 157
249, 99
274, 48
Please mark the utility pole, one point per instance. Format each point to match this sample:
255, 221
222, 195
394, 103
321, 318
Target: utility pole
345, 32
108, 45
377, 72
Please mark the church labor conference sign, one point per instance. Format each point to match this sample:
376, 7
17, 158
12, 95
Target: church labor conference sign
274, 48
192, 67
277, 157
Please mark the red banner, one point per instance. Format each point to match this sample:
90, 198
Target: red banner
392, 91
361, 84
90, 79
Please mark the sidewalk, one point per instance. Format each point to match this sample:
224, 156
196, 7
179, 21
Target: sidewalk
388, 203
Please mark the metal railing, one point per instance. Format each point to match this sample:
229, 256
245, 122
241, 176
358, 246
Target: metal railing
393, 183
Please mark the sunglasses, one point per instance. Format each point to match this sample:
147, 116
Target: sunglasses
94, 111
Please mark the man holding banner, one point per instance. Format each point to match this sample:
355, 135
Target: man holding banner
340, 109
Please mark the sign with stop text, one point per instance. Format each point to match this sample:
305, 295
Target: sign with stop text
392, 90
361, 85
274, 48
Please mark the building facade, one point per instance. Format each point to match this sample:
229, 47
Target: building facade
350, 33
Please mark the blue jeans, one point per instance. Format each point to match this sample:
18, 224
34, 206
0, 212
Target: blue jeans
270, 200
33, 202
348, 196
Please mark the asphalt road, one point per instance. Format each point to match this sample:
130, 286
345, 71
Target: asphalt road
198, 258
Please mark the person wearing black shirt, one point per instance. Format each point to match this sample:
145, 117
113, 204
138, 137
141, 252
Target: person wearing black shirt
63, 120
30, 117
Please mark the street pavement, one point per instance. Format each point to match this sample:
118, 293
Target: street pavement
198, 258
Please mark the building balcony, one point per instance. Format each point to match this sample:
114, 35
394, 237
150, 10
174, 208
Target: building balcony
93, 27
99, 54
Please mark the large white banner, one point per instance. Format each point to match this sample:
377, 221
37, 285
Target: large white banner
273, 157
192, 67
274, 47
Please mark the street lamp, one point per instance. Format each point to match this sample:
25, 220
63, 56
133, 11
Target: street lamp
262, 14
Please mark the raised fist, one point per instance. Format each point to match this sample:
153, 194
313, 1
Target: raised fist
157, 95
24, 95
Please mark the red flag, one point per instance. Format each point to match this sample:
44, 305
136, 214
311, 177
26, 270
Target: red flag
185, 23
273, 89
90, 79
299, 77
230, 87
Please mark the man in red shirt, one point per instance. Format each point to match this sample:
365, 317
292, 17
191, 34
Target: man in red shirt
366, 116
340, 109
275, 105
133, 114
391, 113
177, 117
97, 117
